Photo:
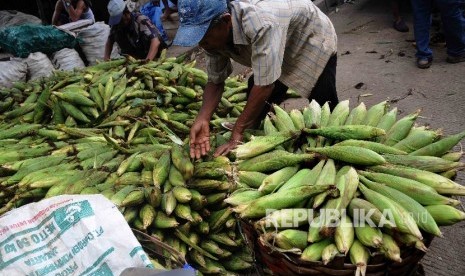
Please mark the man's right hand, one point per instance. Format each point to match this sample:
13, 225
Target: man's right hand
199, 138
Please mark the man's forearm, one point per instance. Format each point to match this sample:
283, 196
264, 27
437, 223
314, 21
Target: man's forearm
154, 44
255, 104
211, 99
108, 49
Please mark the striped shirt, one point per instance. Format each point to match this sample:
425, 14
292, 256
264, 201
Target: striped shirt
289, 40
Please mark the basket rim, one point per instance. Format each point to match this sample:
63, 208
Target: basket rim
144, 237
414, 256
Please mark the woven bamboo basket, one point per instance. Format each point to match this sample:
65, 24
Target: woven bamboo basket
277, 263
160, 251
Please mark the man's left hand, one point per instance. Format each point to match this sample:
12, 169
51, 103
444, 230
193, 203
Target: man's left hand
229, 146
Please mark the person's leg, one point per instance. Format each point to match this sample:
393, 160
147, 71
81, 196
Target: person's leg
399, 23
325, 88
421, 25
454, 28
168, 10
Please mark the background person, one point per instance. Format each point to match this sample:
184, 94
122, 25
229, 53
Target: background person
135, 33
453, 22
399, 23
67, 11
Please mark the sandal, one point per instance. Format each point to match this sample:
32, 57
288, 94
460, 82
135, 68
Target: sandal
401, 26
424, 63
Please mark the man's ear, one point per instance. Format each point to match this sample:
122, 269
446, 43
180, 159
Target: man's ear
227, 18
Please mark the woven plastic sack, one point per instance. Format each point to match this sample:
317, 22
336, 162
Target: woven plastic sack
67, 59
38, 65
92, 41
11, 71
15, 18
25, 39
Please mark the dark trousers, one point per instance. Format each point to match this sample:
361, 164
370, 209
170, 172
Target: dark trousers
323, 91
453, 20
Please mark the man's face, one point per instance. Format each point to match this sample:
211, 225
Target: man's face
126, 19
217, 36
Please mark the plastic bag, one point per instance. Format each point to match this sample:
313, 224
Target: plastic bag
92, 41
38, 65
15, 18
12, 70
67, 59
25, 39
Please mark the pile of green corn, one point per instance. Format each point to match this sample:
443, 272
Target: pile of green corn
117, 129
347, 161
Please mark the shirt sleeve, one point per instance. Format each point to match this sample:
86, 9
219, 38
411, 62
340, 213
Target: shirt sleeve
267, 54
147, 27
218, 67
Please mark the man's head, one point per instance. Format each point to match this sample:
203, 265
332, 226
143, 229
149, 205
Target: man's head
197, 17
119, 13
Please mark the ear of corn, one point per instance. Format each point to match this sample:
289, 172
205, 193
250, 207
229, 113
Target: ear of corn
280, 200
285, 217
388, 120
412, 241
277, 179
390, 248
440, 147
303, 177
243, 196
314, 251
368, 236
297, 118
438, 182
404, 222
344, 235
445, 214
375, 113
453, 156
357, 115
274, 160
374, 146
291, 238
422, 193
251, 178
359, 255
283, 121
314, 230
371, 213
427, 163
351, 155
312, 115
263, 144
268, 126
400, 129
339, 115
417, 138
345, 132
161, 169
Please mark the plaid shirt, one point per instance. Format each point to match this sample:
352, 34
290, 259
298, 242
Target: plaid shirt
289, 40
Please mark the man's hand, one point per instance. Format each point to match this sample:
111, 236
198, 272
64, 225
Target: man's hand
235, 140
200, 138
